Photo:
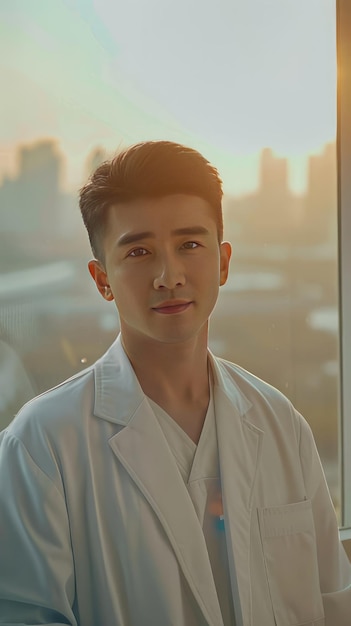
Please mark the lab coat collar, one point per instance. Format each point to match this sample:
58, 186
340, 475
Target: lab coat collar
118, 393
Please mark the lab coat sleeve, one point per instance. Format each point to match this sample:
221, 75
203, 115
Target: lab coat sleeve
334, 566
36, 563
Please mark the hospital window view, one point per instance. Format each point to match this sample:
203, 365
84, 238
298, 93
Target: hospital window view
250, 85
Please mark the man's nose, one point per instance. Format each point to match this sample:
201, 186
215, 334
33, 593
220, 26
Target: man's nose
169, 273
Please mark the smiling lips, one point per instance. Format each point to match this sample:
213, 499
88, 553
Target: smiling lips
172, 306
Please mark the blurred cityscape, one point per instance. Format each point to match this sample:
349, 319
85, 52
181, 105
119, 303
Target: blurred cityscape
277, 316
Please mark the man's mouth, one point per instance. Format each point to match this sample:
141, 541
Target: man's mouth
172, 307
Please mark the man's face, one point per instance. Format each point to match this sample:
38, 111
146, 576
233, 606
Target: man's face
163, 267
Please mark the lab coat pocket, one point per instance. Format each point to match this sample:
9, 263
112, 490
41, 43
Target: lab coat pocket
290, 554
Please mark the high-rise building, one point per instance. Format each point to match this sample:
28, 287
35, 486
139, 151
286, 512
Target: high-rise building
30, 203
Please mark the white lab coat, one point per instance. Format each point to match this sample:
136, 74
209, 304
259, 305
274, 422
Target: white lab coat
97, 527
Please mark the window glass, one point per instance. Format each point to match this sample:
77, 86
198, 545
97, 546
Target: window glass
252, 85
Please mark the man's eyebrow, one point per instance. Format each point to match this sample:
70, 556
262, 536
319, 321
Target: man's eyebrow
128, 238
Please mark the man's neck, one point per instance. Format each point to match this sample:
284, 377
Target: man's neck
180, 367
175, 376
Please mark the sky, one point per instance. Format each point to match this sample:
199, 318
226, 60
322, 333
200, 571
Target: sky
228, 78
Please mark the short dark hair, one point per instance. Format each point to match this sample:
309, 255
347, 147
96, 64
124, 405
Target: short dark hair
150, 169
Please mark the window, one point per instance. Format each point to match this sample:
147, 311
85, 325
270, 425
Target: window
253, 87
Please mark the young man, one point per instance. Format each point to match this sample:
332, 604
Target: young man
164, 486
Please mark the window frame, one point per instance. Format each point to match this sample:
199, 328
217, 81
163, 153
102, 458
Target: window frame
343, 14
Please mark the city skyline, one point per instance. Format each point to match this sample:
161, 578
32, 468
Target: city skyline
99, 152
229, 82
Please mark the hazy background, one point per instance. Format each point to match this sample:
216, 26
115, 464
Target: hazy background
252, 85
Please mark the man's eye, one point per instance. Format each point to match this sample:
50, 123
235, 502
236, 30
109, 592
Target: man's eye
137, 252
190, 245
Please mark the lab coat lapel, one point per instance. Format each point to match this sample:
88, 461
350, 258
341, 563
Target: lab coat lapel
142, 449
239, 444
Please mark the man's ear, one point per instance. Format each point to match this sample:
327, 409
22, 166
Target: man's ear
226, 253
100, 278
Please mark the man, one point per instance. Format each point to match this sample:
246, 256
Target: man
164, 486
